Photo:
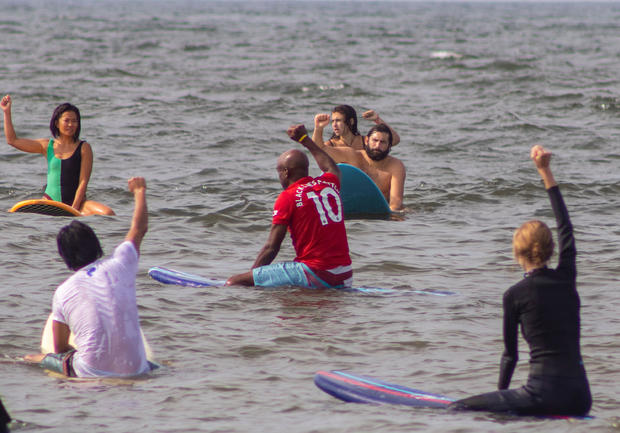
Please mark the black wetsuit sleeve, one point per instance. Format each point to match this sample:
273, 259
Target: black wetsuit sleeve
511, 344
4, 417
566, 248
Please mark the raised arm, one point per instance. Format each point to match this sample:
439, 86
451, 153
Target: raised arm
567, 252
139, 222
374, 116
325, 162
23, 144
321, 120
542, 159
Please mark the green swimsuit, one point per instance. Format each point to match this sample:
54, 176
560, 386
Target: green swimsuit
63, 175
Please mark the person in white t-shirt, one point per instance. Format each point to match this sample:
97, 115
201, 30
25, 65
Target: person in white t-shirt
98, 302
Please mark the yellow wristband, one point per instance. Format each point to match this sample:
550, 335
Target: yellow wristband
302, 138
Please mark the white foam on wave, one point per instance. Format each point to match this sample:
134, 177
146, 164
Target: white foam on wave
442, 54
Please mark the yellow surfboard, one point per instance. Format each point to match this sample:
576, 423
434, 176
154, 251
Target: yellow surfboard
45, 207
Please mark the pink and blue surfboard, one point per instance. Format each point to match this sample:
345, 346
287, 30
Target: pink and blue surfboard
354, 388
363, 389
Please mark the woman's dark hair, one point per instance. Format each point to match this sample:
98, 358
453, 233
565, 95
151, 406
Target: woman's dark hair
350, 117
56, 117
78, 245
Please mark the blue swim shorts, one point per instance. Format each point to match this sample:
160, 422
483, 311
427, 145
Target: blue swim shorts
60, 363
287, 274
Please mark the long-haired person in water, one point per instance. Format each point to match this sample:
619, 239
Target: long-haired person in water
344, 126
546, 305
69, 160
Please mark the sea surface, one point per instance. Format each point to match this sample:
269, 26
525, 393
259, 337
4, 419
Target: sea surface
196, 96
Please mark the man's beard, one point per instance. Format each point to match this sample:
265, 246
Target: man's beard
376, 155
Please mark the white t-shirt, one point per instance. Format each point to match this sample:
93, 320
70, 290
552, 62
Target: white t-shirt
98, 303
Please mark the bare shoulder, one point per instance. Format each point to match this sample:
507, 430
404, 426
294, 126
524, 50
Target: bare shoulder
356, 157
358, 142
86, 148
44, 143
344, 154
395, 165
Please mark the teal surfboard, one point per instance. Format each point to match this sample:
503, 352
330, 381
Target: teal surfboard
360, 196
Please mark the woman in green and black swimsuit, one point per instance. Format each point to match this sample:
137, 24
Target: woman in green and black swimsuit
70, 161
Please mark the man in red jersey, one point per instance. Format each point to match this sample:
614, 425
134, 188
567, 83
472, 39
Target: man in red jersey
311, 210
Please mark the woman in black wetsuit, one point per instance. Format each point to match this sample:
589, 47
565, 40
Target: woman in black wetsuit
546, 304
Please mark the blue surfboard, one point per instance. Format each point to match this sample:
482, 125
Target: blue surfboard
360, 196
180, 278
353, 388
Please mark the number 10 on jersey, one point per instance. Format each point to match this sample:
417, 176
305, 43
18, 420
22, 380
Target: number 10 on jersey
323, 206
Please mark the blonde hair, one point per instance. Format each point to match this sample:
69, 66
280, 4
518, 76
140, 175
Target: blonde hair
533, 242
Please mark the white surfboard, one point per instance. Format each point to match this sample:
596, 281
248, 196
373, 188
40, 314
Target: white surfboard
47, 340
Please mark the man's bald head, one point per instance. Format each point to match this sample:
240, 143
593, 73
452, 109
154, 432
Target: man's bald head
292, 166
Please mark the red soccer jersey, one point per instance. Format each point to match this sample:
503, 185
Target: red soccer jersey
312, 210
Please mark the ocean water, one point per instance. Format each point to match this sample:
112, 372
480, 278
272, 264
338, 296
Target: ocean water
196, 96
